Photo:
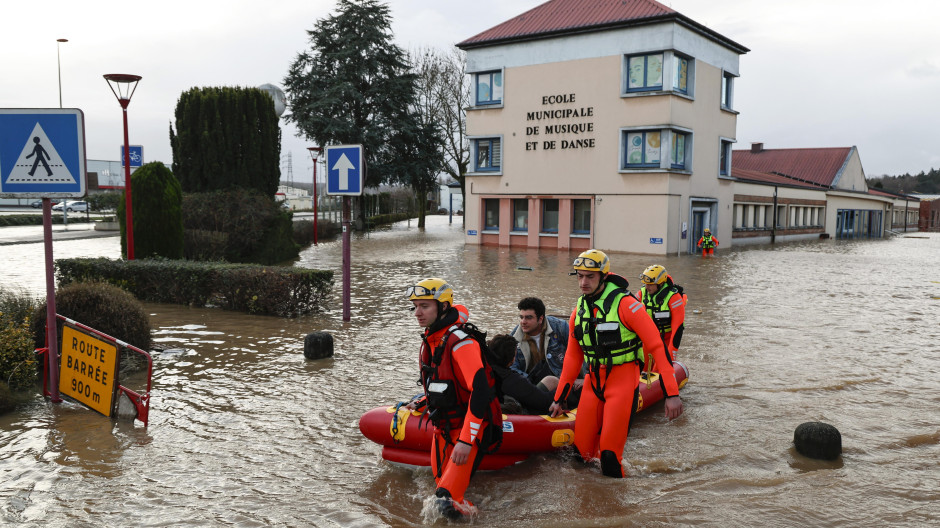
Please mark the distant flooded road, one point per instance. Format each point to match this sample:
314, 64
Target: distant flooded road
245, 432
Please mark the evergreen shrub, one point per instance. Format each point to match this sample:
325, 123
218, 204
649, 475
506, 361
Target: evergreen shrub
104, 307
263, 290
237, 225
158, 220
17, 355
36, 219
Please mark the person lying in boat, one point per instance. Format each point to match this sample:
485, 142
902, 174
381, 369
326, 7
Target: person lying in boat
541, 343
519, 394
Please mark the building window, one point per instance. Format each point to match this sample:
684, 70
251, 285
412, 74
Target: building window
520, 214
727, 84
581, 216
680, 81
488, 154
642, 148
491, 214
645, 72
549, 216
724, 161
489, 88
677, 157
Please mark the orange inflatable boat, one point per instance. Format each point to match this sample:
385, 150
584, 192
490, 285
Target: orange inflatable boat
405, 436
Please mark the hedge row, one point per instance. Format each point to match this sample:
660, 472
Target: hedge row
36, 219
265, 290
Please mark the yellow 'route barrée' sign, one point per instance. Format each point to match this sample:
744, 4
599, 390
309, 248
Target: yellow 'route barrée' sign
88, 369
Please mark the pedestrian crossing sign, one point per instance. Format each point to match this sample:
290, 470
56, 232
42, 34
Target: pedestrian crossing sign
42, 153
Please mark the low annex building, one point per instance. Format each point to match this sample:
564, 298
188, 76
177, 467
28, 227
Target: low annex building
809, 193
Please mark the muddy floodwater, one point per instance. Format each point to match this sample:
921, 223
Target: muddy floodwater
244, 431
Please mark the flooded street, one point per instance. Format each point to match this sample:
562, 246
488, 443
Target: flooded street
244, 431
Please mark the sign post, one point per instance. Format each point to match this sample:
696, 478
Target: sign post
42, 155
345, 174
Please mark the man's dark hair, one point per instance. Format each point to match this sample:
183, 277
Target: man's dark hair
533, 303
502, 349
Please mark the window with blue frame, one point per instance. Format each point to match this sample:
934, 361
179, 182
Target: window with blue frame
680, 79
727, 85
724, 163
678, 155
489, 88
550, 216
488, 154
642, 148
520, 215
491, 214
645, 72
581, 217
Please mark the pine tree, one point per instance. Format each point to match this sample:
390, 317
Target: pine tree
353, 86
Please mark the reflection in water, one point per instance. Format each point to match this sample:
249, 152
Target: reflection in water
244, 431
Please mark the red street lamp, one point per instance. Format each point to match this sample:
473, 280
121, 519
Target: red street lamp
315, 153
123, 86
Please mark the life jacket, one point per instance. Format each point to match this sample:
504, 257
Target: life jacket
447, 398
613, 343
707, 242
657, 304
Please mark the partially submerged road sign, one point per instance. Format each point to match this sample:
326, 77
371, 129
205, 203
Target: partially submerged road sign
345, 169
42, 152
88, 369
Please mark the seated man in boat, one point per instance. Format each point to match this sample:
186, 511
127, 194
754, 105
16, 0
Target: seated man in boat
459, 394
542, 340
519, 394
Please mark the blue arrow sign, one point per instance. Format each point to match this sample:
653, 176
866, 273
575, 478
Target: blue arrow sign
344, 170
42, 152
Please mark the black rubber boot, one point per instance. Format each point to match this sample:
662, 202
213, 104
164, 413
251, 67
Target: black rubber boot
445, 505
610, 466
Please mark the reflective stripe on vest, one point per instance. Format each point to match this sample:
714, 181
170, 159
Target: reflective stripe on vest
660, 314
707, 242
629, 348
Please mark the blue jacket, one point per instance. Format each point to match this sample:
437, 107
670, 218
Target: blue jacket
556, 332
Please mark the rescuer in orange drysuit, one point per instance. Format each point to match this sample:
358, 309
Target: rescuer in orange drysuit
610, 330
665, 303
459, 394
708, 243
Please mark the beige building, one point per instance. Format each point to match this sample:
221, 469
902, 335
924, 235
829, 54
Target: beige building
605, 124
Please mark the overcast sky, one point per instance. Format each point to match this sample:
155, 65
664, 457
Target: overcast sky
820, 73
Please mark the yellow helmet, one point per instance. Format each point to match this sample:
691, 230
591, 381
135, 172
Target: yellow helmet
707, 230
433, 289
654, 274
592, 260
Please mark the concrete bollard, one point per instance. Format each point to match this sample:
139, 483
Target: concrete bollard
318, 345
818, 440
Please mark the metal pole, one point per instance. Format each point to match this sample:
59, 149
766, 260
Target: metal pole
346, 259
127, 191
315, 202
52, 342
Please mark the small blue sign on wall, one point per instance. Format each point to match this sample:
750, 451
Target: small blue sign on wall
656, 241
471, 232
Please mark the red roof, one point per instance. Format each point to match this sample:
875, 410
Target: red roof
766, 177
561, 17
811, 165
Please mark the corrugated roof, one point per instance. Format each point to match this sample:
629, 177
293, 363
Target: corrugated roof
560, 17
811, 165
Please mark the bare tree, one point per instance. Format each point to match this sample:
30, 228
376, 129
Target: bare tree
443, 92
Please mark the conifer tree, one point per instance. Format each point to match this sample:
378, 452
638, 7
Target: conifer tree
353, 86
